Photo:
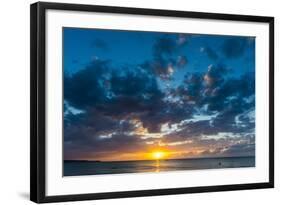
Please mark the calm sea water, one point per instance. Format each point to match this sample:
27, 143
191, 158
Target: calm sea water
93, 168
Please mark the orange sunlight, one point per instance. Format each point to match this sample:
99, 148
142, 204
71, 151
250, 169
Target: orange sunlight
157, 155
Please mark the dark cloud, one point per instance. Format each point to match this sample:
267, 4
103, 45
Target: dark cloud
134, 83
198, 128
166, 113
167, 56
203, 88
98, 133
131, 94
137, 95
164, 46
230, 91
234, 47
240, 150
190, 90
117, 144
160, 67
210, 53
215, 75
214, 93
86, 87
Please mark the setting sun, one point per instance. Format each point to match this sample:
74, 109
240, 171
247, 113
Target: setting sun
158, 155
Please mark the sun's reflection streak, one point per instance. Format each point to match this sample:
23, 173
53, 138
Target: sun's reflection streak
157, 165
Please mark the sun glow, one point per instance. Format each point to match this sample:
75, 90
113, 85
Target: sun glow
158, 155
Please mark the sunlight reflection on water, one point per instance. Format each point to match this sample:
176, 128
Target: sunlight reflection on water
157, 166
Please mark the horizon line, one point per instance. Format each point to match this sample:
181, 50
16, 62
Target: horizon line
86, 160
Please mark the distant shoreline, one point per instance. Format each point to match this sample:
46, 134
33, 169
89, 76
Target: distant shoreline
194, 158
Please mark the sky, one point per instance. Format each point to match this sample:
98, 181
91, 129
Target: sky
128, 94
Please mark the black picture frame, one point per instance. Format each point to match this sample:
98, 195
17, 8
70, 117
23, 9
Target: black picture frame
38, 101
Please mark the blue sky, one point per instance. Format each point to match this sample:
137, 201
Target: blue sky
132, 92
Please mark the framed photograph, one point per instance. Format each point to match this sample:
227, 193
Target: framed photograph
129, 102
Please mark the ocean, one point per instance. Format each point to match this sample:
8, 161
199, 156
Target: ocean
76, 168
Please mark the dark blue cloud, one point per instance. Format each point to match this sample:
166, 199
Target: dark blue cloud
87, 86
240, 150
164, 46
234, 47
227, 97
167, 56
210, 53
130, 94
190, 90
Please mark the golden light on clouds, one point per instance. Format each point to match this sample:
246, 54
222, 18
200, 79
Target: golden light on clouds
156, 147
140, 130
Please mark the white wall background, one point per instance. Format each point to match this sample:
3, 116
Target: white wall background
14, 100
